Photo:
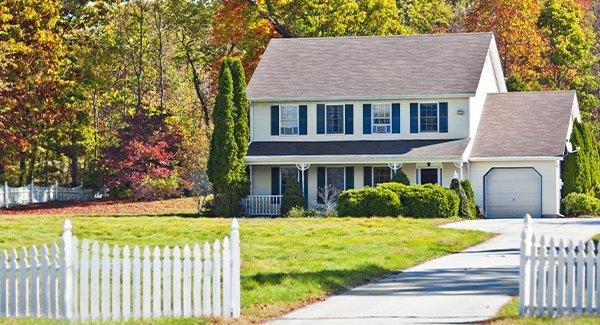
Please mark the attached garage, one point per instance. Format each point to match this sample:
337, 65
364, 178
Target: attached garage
512, 192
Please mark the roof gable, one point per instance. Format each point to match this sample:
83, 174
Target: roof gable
370, 67
524, 124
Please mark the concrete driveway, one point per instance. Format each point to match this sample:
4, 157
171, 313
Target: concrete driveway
466, 287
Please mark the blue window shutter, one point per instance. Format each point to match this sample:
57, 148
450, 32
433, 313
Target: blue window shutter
305, 186
349, 177
275, 181
320, 119
414, 118
320, 183
395, 118
302, 112
349, 118
368, 176
443, 117
366, 118
274, 120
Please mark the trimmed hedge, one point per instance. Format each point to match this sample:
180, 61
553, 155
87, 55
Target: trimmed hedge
369, 202
577, 204
425, 201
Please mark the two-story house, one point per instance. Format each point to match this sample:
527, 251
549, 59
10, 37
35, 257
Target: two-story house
349, 111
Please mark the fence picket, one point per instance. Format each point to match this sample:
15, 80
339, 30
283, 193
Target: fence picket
235, 269
197, 278
95, 282
187, 282
33, 282
570, 277
589, 281
533, 283
598, 279
126, 284
84, 271
541, 277
136, 283
216, 278
206, 304
3, 279
146, 285
116, 283
44, 273
23, 312
176, 282
166, 268
105, 283
560, 276
88, 284
580, 267
550, 293
156, 284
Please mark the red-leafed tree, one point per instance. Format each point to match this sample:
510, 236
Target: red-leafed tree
145, 163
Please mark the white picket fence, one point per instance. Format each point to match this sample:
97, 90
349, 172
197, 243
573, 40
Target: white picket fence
557, 278
70, 282
262, 205
10, 196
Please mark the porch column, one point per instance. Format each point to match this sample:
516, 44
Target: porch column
459, 166
302, 168
394, 167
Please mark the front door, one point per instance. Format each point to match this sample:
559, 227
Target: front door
429, 176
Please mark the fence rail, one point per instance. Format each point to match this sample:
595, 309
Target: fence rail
95, 282
557, 278
262, 205
10, 196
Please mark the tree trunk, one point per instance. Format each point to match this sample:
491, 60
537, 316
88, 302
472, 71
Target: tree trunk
32, 159
161, 77
197, 82
140, 63
22, 169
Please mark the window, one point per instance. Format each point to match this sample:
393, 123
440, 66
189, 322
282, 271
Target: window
335, 119
289, 120
381, 175
429, 176
428, 117
287, 173
335, 177
382, 118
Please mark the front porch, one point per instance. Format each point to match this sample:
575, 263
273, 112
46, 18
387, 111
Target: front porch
268, 180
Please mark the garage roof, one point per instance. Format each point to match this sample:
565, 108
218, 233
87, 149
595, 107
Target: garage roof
524, 124
366, 67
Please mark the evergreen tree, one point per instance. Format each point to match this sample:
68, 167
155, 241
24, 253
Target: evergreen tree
593, 157
224, 167
292, 196
464, 209
400, 177
241, 107
576, 167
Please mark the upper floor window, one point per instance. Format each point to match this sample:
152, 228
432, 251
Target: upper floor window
428, 117
334, 116
382, 118
289, 120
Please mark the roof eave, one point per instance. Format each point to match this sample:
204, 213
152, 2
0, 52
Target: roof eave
341, 98
345, 159
516, 158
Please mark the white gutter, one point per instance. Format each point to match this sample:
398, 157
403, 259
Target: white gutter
357, 98
522, 158
345, 159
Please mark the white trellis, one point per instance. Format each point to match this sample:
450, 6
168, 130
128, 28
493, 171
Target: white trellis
94, 282
557, 278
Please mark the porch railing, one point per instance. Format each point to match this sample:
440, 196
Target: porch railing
262, 205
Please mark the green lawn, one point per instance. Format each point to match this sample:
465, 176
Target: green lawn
286, 262
509, 314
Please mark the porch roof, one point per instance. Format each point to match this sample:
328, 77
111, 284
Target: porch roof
406, 150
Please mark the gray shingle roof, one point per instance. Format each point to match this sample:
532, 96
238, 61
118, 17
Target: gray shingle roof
524, 124
370, 67
406, 148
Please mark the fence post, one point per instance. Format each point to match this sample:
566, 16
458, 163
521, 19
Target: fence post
235, 268
67, 272
6, 196
524, 277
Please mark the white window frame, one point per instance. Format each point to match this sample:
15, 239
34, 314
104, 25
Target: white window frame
438, 117
281, 177
297, 120
389, 126
439, 174
327, 181
373, 174
343, 118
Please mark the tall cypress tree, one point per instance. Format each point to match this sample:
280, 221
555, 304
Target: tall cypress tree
576, 177
223, 163
241, 107
593, 157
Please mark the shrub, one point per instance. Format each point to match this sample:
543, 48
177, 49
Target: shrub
292, 196
300, 212
466, 184
159, 188
400, 177
580, 204
425, 201
376, 202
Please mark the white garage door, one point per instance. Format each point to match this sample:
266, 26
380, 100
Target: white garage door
513, 192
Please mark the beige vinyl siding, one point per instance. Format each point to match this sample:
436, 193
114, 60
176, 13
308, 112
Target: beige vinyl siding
261, 180
551, 181
458, 125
